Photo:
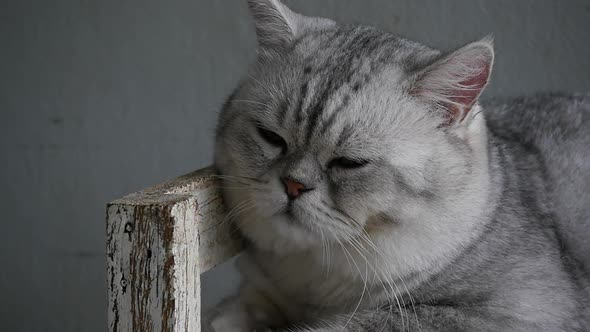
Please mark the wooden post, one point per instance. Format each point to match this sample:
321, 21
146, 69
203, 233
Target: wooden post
159, 241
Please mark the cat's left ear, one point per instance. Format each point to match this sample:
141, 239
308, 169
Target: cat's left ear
456, 81
277, 26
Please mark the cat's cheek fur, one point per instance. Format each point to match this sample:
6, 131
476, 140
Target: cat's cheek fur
277, 235
257, 212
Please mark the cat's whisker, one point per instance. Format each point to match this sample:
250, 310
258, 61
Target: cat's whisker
348, 254
351, 257
360, 299
351, 241
237, 185
323, 245
365, 236
238, 182
264, 190
354, 242
251, 102
325, 249
262, 86
386, 320
328, 250
241, 183
242, 219
230, 177
354, 224
238, 209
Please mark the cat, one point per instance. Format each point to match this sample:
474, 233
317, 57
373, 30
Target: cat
375, 193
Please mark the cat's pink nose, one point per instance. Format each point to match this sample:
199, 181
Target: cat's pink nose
294, 189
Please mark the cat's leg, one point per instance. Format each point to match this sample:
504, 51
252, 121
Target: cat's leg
421, 318
257, 306
250, 310
229, 316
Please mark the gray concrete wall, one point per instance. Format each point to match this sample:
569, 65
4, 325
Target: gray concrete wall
101, 98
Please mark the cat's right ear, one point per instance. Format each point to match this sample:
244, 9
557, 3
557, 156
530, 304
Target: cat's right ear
277, 25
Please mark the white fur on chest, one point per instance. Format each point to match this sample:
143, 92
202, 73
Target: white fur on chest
304, 284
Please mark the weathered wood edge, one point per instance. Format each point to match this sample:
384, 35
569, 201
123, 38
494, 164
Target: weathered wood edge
159, 240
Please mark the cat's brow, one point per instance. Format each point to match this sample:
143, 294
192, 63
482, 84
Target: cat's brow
344, 134
326, 125
353, 50
302, 95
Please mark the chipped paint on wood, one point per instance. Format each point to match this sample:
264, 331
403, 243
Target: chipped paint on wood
158, 242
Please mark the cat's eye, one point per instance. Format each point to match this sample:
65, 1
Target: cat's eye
343, 162
272, 138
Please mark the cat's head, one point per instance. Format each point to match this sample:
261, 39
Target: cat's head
339, 131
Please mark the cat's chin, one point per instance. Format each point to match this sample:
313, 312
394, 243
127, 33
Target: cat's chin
281, 233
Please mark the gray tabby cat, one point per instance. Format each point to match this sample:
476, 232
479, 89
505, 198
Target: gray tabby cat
377, 195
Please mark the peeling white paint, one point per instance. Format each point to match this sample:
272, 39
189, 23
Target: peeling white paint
159, 241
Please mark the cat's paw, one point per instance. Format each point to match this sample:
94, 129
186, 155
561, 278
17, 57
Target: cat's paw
230, 316
230, 324
231, 321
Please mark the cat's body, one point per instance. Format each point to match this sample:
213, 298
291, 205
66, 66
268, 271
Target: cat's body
377, 198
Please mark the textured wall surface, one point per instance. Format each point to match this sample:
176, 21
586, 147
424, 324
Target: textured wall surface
101, 98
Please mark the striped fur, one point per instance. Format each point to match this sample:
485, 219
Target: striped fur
453, 219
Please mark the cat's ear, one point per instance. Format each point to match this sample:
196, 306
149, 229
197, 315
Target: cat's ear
277, 25
456, 81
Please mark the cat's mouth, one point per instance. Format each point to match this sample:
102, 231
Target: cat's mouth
292, 215
289, 215
288, 210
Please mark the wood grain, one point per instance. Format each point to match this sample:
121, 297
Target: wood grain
159, 241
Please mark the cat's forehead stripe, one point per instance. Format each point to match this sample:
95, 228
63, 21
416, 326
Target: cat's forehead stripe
283, 108
302, 95
330, 121
344, 134
351, 49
